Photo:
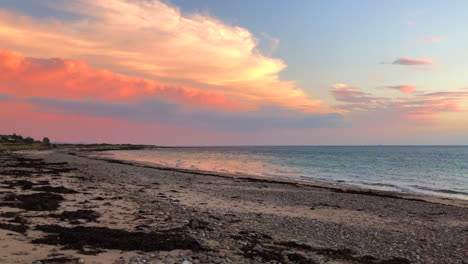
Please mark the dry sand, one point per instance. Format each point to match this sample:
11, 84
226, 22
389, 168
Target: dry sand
69, 206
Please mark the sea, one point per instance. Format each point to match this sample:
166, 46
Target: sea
429, 170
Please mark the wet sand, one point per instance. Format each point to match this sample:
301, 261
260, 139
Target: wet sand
71, 206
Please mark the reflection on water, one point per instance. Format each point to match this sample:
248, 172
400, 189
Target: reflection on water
440, 171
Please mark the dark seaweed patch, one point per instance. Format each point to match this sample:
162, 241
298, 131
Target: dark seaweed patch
52, 189
35, 166
88, 215
18, 173
21, 228
34, 202
9, 214
60, 260
80, 237
25, 185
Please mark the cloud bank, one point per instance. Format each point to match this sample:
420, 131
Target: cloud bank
162, 113
73, 88
155, 40
72, 79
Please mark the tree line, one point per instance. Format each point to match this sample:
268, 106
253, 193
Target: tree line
18, 139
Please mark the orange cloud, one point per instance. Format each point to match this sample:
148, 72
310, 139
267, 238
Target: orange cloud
72, 79
152, 39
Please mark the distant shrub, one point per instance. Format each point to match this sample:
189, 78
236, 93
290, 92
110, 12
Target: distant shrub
17, 138
28, 140
46, 141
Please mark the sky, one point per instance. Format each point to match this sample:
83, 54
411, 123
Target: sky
210, 72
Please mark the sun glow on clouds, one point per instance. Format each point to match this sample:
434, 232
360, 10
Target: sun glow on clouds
71, 79
144, 64
154, 40
71, 87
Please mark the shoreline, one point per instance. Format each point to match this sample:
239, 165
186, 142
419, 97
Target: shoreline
60, 205
334, 186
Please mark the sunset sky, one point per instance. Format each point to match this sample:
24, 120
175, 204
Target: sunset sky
211, 72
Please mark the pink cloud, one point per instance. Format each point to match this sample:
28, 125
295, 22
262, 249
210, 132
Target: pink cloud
403, 88
427, 109
431, 39
354, 98
410, 22
428, 105
409, 61
421, 106
447, 94
72, 79
345, 93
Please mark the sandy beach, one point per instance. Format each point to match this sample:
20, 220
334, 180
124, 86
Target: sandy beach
76, 206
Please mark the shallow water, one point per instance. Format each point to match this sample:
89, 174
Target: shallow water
430, 170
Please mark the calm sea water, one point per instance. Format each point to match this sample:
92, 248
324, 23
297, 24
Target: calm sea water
431, 170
